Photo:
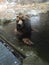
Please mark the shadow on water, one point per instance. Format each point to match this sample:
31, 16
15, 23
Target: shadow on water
41, 46
41, 40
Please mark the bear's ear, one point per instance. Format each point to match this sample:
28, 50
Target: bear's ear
27, 17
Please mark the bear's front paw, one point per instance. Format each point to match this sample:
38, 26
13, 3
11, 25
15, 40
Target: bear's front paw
27, 41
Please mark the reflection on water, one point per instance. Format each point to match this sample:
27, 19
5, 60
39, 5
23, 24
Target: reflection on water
35, 20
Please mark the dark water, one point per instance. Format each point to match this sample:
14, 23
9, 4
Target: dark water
41, 38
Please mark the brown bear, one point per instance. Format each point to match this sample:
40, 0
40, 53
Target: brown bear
23, 27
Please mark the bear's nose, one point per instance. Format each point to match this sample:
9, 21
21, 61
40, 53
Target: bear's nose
20, 22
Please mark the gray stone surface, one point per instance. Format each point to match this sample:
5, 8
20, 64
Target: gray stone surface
6, 57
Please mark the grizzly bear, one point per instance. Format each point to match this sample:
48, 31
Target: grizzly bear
23, 27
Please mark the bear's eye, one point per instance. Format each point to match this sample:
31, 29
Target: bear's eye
23, 20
